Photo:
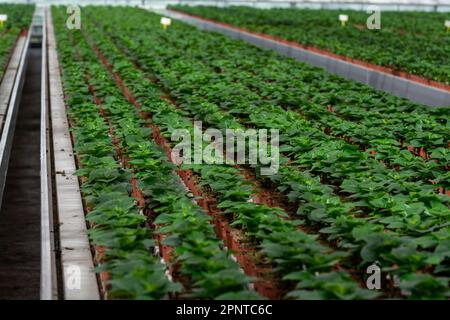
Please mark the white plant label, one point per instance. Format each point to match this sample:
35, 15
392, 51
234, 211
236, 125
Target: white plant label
3, 17
166, 22
447, 24
343, 18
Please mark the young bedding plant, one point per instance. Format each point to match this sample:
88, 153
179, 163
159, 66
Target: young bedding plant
360, 204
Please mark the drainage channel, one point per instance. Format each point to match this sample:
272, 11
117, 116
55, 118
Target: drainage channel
20, 231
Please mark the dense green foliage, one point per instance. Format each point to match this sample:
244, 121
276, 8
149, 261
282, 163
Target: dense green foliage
362, 196
118, 226
414, 42
280, 239
19, 18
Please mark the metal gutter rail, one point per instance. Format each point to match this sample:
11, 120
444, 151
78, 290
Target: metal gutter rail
48, 264
398, 86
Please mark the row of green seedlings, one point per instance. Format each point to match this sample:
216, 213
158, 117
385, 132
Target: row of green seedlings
208, 269
413, 168
119, 227
409, 171
422, 129
385, 142
398, 49
197, 254
19, 18
263, 282
294, 252
8, 41
7, 44
290, 79
393, 175
375, 231
315, 97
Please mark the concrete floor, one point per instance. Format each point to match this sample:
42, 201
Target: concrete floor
20, 210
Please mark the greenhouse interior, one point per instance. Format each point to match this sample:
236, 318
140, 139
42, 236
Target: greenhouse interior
225, 150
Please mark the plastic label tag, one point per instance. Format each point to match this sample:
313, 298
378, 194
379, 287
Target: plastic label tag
3, 18
166, 22
343, 18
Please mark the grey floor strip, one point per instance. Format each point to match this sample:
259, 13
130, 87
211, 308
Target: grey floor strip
20, 209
